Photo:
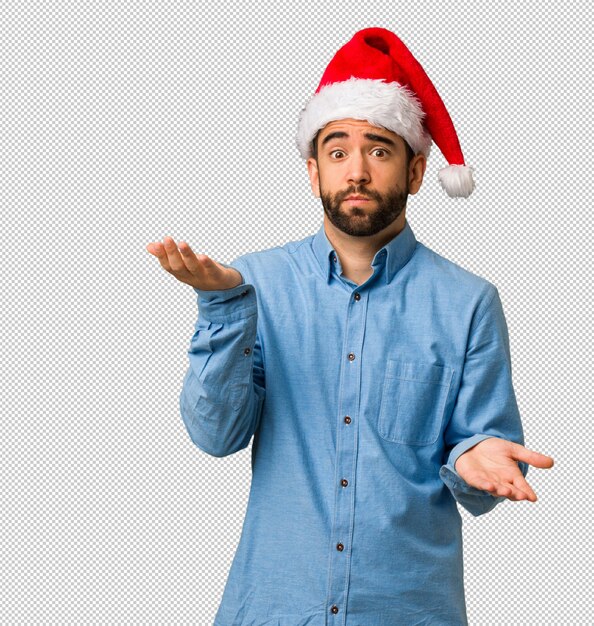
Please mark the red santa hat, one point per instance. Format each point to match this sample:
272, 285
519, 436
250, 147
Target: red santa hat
375, 77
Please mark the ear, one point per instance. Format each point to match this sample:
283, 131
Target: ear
314, 176
416, 171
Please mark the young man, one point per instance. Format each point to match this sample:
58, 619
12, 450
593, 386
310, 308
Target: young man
373, 374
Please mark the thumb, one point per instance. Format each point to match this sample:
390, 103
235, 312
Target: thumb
536, 459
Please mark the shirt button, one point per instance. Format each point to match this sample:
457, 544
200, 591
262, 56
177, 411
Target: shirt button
347, 419
247, 351
334, 609
339, 547
334, 259
351, 356
344, 482
244, 293
357, 296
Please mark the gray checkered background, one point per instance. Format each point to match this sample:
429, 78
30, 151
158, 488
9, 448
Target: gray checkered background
123, 122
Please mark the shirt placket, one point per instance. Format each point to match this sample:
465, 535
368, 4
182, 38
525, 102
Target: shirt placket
346, 456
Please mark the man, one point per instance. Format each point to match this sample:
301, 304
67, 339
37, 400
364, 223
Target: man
373, 374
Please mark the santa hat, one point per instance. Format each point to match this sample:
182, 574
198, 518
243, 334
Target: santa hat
375, 77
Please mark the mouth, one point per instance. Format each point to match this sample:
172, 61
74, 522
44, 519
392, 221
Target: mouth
357, 199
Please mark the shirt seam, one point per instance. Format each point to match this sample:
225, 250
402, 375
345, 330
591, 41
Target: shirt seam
487, 306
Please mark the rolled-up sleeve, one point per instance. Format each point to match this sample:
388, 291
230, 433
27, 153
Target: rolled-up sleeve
486, 404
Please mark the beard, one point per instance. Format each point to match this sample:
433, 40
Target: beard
359, 221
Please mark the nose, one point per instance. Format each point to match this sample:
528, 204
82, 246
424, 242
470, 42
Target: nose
358, 172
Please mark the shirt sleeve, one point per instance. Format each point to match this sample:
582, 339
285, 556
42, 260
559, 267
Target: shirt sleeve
486, 404
223, 391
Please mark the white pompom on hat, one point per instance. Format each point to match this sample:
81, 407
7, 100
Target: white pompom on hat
375, 77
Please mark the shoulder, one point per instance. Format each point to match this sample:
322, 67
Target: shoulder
450, 279
271, 261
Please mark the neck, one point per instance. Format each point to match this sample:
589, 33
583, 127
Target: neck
356, 253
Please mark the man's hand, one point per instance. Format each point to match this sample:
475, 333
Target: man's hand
491, 465
197, 271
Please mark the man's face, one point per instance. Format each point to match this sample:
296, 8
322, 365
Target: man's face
356, 158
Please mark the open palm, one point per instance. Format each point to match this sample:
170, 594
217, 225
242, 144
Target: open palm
492, 465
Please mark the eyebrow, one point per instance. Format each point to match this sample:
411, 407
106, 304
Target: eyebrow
338, 134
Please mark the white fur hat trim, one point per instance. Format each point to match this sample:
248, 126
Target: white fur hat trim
387, 105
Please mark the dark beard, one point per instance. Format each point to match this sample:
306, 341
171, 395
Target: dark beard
389, 207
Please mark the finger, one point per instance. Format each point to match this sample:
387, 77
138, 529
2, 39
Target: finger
516, 489
522, 484
157, 249
481, 482
497, 486
510, 483
194, 263
510, 492
536, 459
174, 257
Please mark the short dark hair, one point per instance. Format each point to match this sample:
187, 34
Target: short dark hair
314, 146
314, 149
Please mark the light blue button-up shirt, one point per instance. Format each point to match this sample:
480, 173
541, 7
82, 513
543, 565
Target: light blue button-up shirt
359, 398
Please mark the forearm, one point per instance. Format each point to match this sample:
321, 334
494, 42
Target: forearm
219, 402
486, 404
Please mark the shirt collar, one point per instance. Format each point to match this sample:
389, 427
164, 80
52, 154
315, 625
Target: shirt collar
396, 253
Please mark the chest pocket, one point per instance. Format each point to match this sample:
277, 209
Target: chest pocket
413, 401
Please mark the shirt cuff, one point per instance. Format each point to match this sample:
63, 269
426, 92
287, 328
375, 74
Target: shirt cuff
450, 476
475, 501
463, 446
227, 305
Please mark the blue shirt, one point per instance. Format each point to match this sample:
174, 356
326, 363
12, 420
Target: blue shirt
359, 398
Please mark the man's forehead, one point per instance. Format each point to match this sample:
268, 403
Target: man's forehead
349, 126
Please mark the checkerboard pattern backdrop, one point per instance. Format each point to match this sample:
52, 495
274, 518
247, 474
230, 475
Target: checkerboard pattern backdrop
123, 122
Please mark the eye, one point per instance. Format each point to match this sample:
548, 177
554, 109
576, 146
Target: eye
336, 154
381, 151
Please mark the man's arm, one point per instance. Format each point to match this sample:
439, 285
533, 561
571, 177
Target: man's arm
223, 392
480, 475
